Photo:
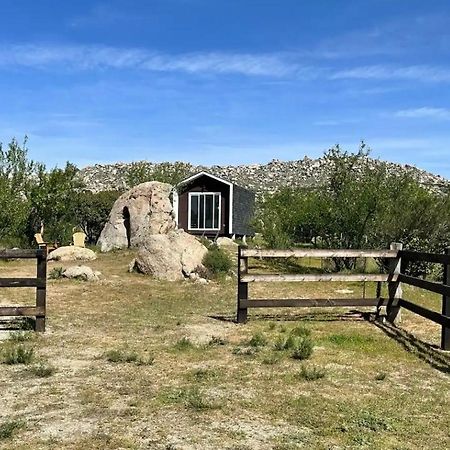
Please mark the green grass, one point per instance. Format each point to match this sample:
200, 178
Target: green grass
42, 370
9, 428
18, 354
311, 373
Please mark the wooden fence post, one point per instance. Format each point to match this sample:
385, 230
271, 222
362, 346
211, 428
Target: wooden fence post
41, 290
445, 335
242, 293
393, 314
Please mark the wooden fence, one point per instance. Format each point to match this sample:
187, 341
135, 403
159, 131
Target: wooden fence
397, 259
40, 283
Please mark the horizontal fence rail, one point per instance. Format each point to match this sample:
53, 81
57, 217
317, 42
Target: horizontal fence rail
264, 278
317, 253
39, 283
397, 258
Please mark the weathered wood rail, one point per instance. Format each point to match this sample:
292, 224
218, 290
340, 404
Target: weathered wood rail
394, 278
39, 282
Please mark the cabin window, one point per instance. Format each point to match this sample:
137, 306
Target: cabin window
204, 211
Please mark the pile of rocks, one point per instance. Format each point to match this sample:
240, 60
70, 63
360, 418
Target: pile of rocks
260, 178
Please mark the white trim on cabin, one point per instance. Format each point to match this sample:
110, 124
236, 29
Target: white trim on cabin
175, 205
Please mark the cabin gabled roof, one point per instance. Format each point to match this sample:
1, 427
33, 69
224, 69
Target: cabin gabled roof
206, 174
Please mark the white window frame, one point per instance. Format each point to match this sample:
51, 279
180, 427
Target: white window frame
198, 194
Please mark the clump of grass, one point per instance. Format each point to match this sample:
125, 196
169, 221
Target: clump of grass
257, 340
21, 336
7, 429
381, 376
42, 370
217, 341
184, 344
195, 399
122, 356
191, 397
271, 325
245, 351
310, 373
56, 273
300, 331
200, 375
271, 359
18, 355
302, 348
372, 422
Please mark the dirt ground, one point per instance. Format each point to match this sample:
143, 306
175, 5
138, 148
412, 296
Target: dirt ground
130, 362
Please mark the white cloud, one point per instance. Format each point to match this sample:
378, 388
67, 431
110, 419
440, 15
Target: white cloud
383, 72
92, 57
424, 112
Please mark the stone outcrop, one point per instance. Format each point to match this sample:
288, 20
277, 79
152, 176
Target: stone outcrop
71, 253
141, 212
260, 178
172, 256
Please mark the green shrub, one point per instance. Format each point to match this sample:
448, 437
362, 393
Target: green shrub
311, 373
217, 261
18, 355
257, 340
56, 273
302, 348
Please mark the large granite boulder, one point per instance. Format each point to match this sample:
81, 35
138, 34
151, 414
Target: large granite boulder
172, 256
71, 253
142, 211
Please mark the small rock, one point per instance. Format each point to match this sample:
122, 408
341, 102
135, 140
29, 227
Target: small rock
83, 273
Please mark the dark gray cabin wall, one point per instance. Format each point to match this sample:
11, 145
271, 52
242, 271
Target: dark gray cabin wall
243, 210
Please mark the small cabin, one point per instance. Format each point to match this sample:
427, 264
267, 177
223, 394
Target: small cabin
210, 206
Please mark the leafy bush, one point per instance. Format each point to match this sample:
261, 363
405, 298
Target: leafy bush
217, 261
18, 355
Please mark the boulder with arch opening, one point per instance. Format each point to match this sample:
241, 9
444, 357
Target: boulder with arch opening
142, 211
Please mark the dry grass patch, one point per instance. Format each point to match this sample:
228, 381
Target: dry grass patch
200, 392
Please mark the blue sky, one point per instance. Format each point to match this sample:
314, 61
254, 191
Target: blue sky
226, 81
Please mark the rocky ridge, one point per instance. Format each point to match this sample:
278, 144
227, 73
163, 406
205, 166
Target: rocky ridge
260, 178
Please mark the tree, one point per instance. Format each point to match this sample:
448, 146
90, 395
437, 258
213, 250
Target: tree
52, 199
360, 205
91, 212
16, 179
